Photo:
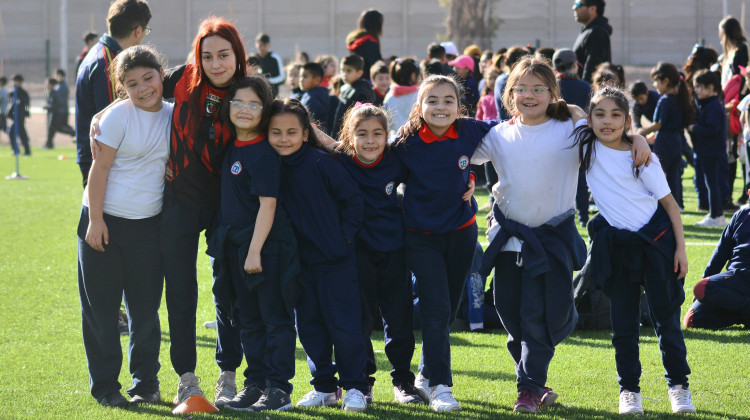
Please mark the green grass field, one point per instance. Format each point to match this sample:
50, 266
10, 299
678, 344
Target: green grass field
43, 369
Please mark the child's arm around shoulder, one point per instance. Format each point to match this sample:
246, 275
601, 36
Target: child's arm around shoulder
680, 253
640, 150
263, 224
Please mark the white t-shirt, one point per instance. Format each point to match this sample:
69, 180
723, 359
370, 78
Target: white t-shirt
537, 171
625, 201
135, 185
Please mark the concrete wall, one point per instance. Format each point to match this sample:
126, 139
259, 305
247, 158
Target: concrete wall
645, 31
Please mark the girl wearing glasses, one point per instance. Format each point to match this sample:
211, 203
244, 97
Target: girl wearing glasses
535, 246
257, 249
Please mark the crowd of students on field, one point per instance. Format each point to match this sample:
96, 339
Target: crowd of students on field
321, 207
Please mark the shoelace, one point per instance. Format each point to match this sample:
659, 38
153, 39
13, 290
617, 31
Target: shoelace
630, 397
682, 397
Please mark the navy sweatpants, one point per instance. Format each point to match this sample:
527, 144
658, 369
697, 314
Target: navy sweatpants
130, 268
625, 313
329, 320
440, 263
266, 326
723, 300
522, 307
180, 231
385, 286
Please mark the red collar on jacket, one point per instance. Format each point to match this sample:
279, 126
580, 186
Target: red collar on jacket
428, 136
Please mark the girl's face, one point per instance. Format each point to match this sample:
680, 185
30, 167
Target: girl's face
439, 108
144, 87
462, 71
531, 97
661, 85
331, 68
285, 134
218, 60
245, 111
608, 122
369, 138
293, 79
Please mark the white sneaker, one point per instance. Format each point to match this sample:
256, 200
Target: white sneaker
423, 387
709, 221
630, 402
681, 400
441, 399
188, 386
319, 399
354, 401
226, 388
209, 324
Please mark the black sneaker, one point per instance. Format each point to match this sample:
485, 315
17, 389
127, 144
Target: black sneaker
406, 394
146, 398
273, 399
114, 399
245, 398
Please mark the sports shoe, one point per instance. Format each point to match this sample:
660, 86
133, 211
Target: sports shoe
681, 400
406, 393
209, 324
273, 399
549, 397
146, 398
354, 401
709, 221
187, 387
114, 399
630, 402
320, 399
226, 389
244, 399
527, 402
441, 399
422, 385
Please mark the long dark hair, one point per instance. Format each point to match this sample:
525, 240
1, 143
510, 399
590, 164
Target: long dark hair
415, 121
733, 35
260, 86
584, 136
295, 107
668, 71
130, 58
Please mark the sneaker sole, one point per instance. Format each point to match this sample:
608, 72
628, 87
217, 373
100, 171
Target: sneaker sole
525, 409
409, 400
549, 399
282, 408
625, 413
685, 411
451, 408
355, 409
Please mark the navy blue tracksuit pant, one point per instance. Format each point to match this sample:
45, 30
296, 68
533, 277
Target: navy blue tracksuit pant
266, 326
625, 313
385, 286
329, 320
130, 268
723, 300
180, 231
529, 341
440, 263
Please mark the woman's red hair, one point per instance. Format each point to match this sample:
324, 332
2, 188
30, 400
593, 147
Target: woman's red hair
209, 27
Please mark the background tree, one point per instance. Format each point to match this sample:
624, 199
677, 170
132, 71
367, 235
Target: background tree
470, 22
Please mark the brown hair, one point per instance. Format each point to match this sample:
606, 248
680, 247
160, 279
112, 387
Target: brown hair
130, 58
356, 115
557, 109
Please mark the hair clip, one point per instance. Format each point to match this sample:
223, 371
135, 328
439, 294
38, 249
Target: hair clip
361, 104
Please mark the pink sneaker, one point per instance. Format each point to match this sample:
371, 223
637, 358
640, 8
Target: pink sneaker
527, 402
549, 397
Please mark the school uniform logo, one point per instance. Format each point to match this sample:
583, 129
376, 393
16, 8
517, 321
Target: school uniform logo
213, 103
236, 168
463, 162
389, 188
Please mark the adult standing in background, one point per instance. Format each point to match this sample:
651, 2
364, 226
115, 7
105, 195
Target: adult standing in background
592, 46
270, 63
365, 40
127, 25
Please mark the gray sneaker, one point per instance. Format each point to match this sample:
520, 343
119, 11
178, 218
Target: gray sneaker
244, 399
273, 399
226, 389
188, 386
146, 398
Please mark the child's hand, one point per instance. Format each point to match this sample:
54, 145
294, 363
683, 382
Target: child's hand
95, 146
641, 152
97, 235
168, 174
690, 127
470, 191
680, 263
252, 263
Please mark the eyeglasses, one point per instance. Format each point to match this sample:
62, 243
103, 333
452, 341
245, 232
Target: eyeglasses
536, 91
239, 106
148, 30
579, 4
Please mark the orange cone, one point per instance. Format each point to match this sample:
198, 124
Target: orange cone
195, 404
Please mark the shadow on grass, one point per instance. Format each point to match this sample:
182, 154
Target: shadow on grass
720, 336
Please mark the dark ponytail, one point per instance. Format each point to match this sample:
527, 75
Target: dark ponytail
676, 80
558, 110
